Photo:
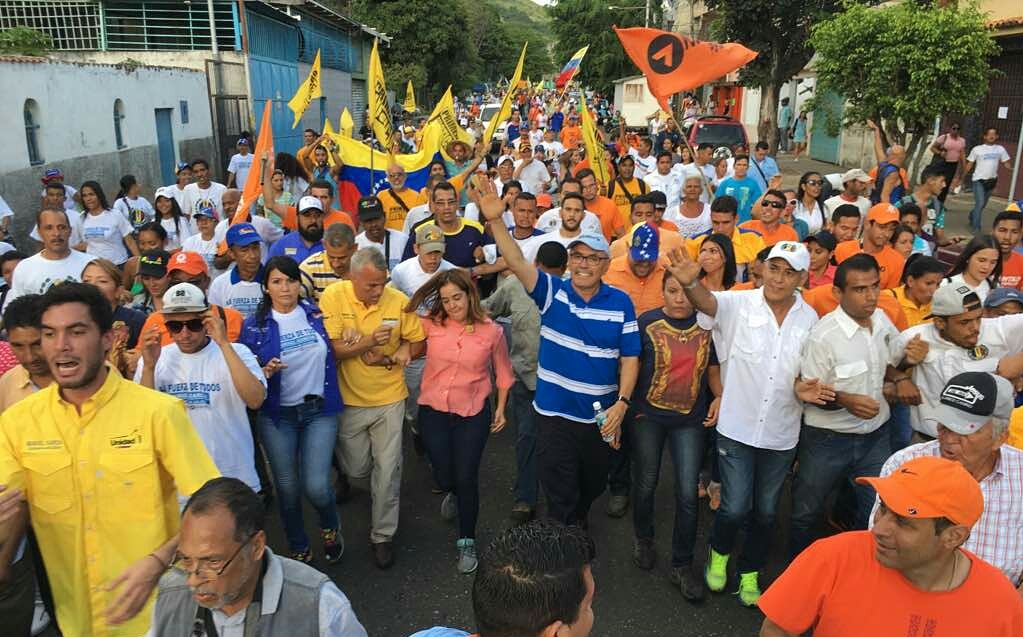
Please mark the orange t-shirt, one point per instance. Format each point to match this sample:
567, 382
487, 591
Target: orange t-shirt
668, 226
838, 588
290, 219
890, 261
745, 285
783, 232
822, 300
608, 213
646, 293
1012, 272
571, 136
233, 319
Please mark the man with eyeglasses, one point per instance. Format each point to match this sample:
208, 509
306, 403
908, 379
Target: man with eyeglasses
463, 238
397, 199
308, 241
769, 225
588, 357
226, 581
215, 378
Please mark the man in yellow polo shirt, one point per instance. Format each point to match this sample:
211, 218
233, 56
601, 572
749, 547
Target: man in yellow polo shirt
397, 198
626, 186
374, 338
724, 214
100, 461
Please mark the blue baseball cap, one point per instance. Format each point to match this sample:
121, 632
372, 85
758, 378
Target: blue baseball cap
646, 241
183, 165
593, 241
242, 234
998, 296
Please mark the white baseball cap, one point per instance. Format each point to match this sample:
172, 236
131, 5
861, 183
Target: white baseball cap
307, 202
183, 298
164, 191
793, 252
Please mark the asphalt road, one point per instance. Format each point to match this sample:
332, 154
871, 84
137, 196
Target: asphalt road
424, 589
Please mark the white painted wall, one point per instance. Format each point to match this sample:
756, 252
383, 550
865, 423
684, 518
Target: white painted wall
76, 103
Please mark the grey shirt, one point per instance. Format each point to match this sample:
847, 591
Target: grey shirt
512, 301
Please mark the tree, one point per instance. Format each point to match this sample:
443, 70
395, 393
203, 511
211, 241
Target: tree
779, 30
905, 65
24, 41
577, 23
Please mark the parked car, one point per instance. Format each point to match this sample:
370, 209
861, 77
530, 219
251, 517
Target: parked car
487, 113
721, 131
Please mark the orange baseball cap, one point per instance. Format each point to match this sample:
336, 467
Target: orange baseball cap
190, 263
883, 213
931, 487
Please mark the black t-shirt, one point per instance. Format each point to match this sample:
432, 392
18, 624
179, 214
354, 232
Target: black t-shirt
672, 387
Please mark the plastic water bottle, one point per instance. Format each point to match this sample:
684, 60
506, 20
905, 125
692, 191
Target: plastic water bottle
601, 417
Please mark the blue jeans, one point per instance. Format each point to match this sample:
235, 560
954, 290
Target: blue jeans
300, 447
751, 481
825, 458
980, 199
455, 446
685, 444
525, 444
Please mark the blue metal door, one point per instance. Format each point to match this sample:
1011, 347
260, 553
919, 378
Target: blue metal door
273, 71
165, 144
826, 119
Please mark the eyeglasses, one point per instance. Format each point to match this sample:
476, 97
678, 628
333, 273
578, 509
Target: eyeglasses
589, 259
775, 204
207, 569
813, 182
193, 325
395, 175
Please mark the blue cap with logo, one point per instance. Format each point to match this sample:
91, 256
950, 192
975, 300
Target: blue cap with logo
646, 241
593, 241
242, 234
998, 296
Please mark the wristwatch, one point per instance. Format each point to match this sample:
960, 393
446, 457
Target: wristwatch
628, 403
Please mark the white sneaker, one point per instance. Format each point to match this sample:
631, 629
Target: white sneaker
467, 555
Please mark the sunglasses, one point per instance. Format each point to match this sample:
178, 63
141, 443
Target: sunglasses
813, 182
775, 204
955, 128
193, 325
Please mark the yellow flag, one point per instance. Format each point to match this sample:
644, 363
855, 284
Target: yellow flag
307, 92
347, 124
444, 118
410, 99
506, 104
379, 112
595, 150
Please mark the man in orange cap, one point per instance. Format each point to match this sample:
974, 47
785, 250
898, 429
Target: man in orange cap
882, 220
908, 575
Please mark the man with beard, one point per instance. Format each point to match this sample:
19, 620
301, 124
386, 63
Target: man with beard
308, 240
571, 214
226, 579
397, 199
100, 461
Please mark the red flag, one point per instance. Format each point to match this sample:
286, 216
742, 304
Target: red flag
673, 63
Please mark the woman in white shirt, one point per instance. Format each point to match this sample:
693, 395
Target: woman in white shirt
692, 216
808, 206
135, 208
979, 266
177, 225
107, 233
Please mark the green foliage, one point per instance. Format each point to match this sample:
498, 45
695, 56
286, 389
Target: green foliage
577, 23
905, 63
24, 41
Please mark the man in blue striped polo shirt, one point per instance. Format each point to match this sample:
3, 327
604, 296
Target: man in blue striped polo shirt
589, 352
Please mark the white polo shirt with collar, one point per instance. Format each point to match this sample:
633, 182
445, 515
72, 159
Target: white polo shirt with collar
853, 359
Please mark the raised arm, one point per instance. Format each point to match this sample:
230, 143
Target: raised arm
687, 271
492, 208
879, 153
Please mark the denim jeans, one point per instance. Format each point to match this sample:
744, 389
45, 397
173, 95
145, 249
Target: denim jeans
980, 199
825, 458
300, 447
685, 444
751, 481
455, 446
525, 443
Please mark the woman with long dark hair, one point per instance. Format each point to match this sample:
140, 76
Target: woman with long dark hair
296, 180
106, 232
136, 209
173, 221
463, 346
298, 419
717, 263
808, 205
979, 266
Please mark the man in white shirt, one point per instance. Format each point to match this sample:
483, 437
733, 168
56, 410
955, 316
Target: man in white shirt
551, 145
667, 178
55, 263
376, 234
215, 378
856, 183
241, 287
550, 220
758, 335
240, 165
571, 214
530, 172
847, 438
958, 340
54, 198
984, 160
203, 193
646, 163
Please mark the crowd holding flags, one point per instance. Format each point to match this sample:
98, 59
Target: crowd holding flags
506, 103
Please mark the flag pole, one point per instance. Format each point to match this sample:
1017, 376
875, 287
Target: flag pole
692, 153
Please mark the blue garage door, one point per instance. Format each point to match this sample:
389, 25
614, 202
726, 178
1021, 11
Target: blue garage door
823, 146
273, 69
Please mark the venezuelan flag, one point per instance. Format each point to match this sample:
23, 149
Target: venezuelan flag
571, 68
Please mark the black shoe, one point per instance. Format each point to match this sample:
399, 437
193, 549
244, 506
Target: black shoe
521, 513
643, 554
342, 489
690, 582
617, 505
383, 554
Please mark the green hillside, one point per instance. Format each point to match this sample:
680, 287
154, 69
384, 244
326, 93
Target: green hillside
523, 13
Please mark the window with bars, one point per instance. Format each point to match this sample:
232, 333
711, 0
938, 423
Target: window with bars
74, 26
118, 124
35, 157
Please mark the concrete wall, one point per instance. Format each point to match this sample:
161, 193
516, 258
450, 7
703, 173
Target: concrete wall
75, 106
337, 94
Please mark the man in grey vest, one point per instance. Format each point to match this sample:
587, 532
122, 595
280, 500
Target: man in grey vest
227, 583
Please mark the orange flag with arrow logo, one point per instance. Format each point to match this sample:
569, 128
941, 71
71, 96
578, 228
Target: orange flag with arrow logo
673, 63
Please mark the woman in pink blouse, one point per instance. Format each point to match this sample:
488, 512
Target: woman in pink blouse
462, 346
